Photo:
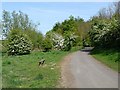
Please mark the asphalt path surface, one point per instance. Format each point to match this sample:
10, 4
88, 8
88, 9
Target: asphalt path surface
81, 70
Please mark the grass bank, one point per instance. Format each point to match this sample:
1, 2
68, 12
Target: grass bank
24, 72
109, 57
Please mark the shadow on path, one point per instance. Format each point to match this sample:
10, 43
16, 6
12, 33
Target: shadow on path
87, 49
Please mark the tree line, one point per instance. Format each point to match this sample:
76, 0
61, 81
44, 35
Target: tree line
22, 35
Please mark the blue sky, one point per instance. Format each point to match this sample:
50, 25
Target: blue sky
48, 13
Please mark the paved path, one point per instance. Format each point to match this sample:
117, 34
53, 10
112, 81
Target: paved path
80, 70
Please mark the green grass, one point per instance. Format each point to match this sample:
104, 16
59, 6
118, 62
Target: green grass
107, 56
76, 48
0, 46
23, 71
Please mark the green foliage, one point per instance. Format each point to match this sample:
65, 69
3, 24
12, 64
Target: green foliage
15, 20
66, 25
36, 38
69, 40
3, 46
62, 42
72, 27
19, 20
18, 43
67, 47
46, 45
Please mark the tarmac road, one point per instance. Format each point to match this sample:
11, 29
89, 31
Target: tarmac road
81, 70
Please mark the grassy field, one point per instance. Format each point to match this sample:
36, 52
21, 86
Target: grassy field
107, 56
24, 72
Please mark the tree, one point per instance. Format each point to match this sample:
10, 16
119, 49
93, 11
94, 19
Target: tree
36, 38
77, 26
6, 23
16, 20
117, 10
20, 21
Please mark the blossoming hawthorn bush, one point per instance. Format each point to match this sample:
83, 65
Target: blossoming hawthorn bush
58, 41
69, 40
105, 33
18, 43
62, 42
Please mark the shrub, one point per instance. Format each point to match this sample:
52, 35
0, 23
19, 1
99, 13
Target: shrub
105, 33
57, 40
18, 43
67, 46
69, 41
46, 45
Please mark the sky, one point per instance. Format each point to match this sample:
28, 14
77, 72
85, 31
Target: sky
48, 13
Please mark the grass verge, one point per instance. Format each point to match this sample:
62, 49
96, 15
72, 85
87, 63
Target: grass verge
24, 72
109, 57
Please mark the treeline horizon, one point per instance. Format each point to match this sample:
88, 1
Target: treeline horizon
101, 30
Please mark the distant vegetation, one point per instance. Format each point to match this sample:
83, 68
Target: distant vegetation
15, 23
71, 32
63, 36
102, 30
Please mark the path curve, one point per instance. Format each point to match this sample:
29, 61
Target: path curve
81, 70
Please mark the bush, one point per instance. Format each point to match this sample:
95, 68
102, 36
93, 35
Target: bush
3, 46
67, 46
105, 33
46, 45
69, 41
18, 43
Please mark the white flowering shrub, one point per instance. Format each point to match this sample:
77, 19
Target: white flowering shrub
69, 40
18, 43
105, 33
58, 41
62, 42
